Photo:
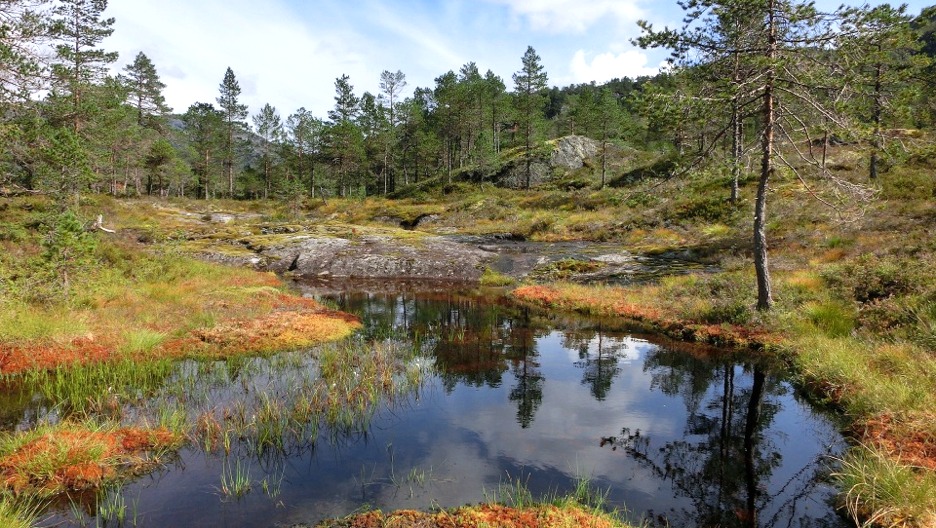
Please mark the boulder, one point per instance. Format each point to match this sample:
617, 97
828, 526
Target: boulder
563, 154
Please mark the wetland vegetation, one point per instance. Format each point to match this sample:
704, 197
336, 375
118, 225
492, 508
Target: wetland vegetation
550, 303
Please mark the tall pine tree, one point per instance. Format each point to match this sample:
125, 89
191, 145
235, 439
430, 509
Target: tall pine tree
204, 127
269, 127
234, 113
79, 28
145, 91
529, 84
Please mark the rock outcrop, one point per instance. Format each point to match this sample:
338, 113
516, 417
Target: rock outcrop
378, 257
563, 154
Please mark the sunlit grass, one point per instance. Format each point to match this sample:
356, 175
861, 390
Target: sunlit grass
18, 512
881, 491
21, 322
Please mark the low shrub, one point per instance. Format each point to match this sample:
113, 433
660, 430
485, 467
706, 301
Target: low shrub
727, 311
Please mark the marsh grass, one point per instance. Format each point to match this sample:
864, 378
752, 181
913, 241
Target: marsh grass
112, 507
18, 512
880, 491
831, 318
235, 479
22, 322
100, 386
142, 342
494, 279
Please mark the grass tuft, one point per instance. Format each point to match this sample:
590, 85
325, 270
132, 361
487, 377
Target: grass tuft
880, 491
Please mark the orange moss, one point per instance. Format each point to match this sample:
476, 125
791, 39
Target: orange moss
477, 517
76, 458
45, 356
907, 443
265, 321
281, 330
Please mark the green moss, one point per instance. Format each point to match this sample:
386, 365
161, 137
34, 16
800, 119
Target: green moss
494, 279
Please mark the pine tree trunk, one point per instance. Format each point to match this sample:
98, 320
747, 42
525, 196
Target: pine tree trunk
878, 106
764, 296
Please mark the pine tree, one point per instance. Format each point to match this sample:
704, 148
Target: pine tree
80, 62
270, 129
145, 90
529, 84
22, 33
346, 103
346, 140
606, 121
781, 48
234, 115
391, 84
204, 126
883, 56
495, 92
306, 137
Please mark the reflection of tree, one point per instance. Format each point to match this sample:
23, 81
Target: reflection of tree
473, 342
600, 368
724, 459
528, 392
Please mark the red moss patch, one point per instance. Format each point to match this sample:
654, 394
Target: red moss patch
910, 445
280, 330
477, 517
268, 321
46, 356
74, 458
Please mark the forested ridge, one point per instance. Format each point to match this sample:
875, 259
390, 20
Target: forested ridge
786, 153
70, 124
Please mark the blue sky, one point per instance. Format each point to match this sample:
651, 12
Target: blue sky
289, 52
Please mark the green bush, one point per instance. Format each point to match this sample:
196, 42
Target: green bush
13, 232
495, 279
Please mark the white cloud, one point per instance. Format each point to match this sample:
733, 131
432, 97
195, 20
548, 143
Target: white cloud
276, 57
572, 16
606, 66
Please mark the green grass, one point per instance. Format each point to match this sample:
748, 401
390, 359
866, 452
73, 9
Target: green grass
142, 341
18, 512
879, 491
833, 319
235, 479
21, 322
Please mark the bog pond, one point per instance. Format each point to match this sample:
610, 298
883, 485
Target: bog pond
475, 399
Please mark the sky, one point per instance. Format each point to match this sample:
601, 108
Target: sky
288, 53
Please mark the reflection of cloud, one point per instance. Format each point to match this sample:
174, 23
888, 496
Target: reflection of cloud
566, 431
572, 16
606, 66
625, 349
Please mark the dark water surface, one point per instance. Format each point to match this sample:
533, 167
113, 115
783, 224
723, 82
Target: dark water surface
672, 434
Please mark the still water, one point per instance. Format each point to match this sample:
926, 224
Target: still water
673, 435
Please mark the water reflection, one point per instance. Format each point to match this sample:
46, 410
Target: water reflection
736, 453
